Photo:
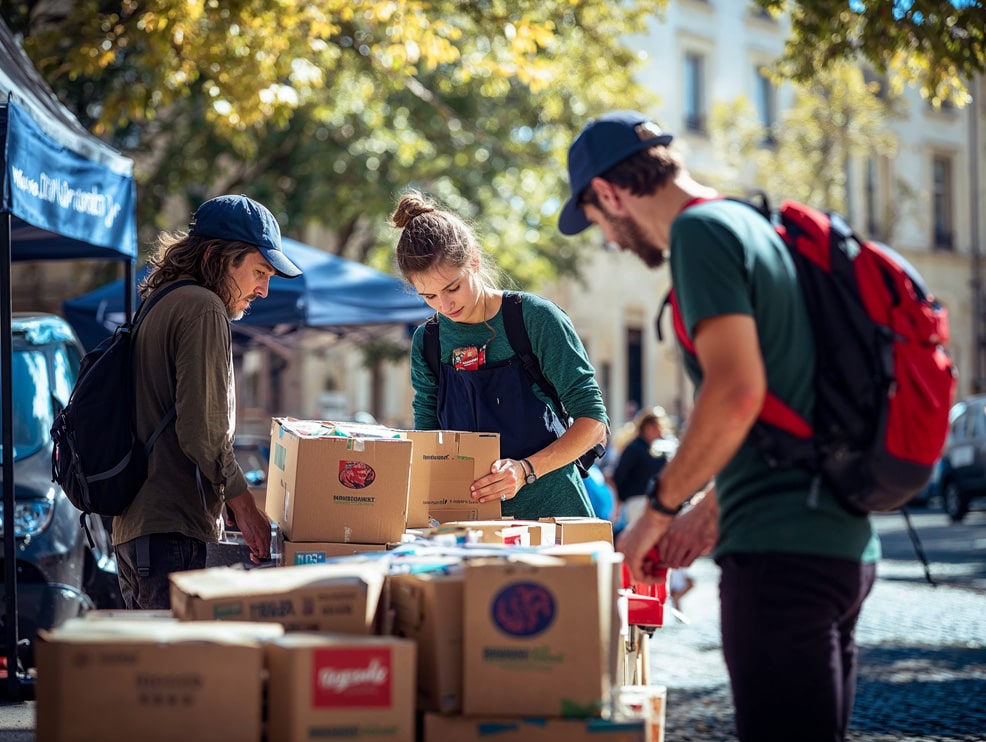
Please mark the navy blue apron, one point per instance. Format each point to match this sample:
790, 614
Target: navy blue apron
497, 398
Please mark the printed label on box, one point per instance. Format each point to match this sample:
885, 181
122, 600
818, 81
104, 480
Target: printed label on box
523, 609
347, 678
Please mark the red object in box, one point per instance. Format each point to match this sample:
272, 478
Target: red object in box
646, 602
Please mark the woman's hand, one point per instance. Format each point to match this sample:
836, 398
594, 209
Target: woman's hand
504, 481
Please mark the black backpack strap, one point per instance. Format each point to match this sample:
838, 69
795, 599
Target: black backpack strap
150, 301
432, 346
513, 321
666, 304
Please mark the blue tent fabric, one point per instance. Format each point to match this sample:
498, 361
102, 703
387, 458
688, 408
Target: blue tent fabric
68, 193
68, 206
331, 293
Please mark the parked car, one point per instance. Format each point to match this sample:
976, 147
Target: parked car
962, 474
59, 575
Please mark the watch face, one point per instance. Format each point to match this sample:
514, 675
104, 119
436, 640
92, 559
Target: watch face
531, 479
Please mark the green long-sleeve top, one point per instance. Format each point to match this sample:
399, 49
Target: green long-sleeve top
183, 357
564, 362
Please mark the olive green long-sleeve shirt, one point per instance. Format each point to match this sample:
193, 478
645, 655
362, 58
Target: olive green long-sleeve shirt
183, 357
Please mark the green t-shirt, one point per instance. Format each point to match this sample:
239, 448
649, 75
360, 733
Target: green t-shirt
727, 259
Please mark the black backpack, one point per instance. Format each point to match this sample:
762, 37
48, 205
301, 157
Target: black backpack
97, 458
513, 321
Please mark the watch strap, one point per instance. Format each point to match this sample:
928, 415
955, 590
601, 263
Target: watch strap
531, 474
654, 500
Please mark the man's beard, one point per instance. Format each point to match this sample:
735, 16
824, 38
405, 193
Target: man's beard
238, 314
629, 236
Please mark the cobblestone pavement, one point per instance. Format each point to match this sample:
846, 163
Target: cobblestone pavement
922, 648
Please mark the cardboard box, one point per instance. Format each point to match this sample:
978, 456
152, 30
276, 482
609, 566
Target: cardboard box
579, 530
341, 597
507, 532
444, 464
323, 485
647, 701
326, 686
428, 609
542, 533
316, 552
151, 679
540, 635
440, 728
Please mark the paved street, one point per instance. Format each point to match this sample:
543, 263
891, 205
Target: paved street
922, 648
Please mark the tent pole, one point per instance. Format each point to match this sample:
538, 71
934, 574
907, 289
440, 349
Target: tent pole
7, 391
129, 292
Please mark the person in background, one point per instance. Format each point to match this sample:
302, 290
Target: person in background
795, 565
481, 386
641, 460
183, 356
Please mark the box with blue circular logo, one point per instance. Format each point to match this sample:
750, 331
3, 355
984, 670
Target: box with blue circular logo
540, 633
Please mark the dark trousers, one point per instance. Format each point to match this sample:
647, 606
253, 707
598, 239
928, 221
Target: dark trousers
788, 638
161, 554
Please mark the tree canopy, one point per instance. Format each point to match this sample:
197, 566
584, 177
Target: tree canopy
328, 110
937, 45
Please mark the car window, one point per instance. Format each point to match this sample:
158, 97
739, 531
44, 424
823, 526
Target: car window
972, 421
65, 369
958, 427
32, 414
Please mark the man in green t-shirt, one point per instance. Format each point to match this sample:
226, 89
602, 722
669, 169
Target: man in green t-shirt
795, 565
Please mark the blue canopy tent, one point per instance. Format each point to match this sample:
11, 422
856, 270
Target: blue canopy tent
65, 195
332, 293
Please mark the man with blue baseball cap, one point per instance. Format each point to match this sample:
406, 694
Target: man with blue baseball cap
185, 395
795, 566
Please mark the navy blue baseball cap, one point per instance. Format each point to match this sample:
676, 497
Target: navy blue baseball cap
604, 142
244, 220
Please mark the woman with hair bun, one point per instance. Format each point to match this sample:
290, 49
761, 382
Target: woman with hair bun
481, 385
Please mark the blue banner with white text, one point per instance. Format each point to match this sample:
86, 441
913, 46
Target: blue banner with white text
59, 191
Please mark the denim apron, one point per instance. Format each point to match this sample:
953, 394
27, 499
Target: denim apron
497, 398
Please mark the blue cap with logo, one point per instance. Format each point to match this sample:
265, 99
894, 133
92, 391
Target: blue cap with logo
242, 219
603, 143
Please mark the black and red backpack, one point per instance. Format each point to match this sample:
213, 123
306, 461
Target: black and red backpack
884, 381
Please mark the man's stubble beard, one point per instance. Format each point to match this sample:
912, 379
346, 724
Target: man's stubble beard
629, 236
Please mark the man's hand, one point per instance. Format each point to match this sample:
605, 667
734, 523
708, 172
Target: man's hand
637, 539
692, 534
253, 524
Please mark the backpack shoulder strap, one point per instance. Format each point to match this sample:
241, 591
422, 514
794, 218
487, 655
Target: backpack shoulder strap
150, 301
432, 346
520, 341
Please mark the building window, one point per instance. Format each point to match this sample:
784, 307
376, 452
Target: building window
635, 367
766, 98
695, 92
871, 196
941, 177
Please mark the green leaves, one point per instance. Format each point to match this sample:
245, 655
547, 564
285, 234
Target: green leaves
936, 45
327, 111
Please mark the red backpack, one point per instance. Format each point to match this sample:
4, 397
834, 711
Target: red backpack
884, 381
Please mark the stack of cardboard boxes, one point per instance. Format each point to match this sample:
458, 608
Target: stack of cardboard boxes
340, 488
472, 626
